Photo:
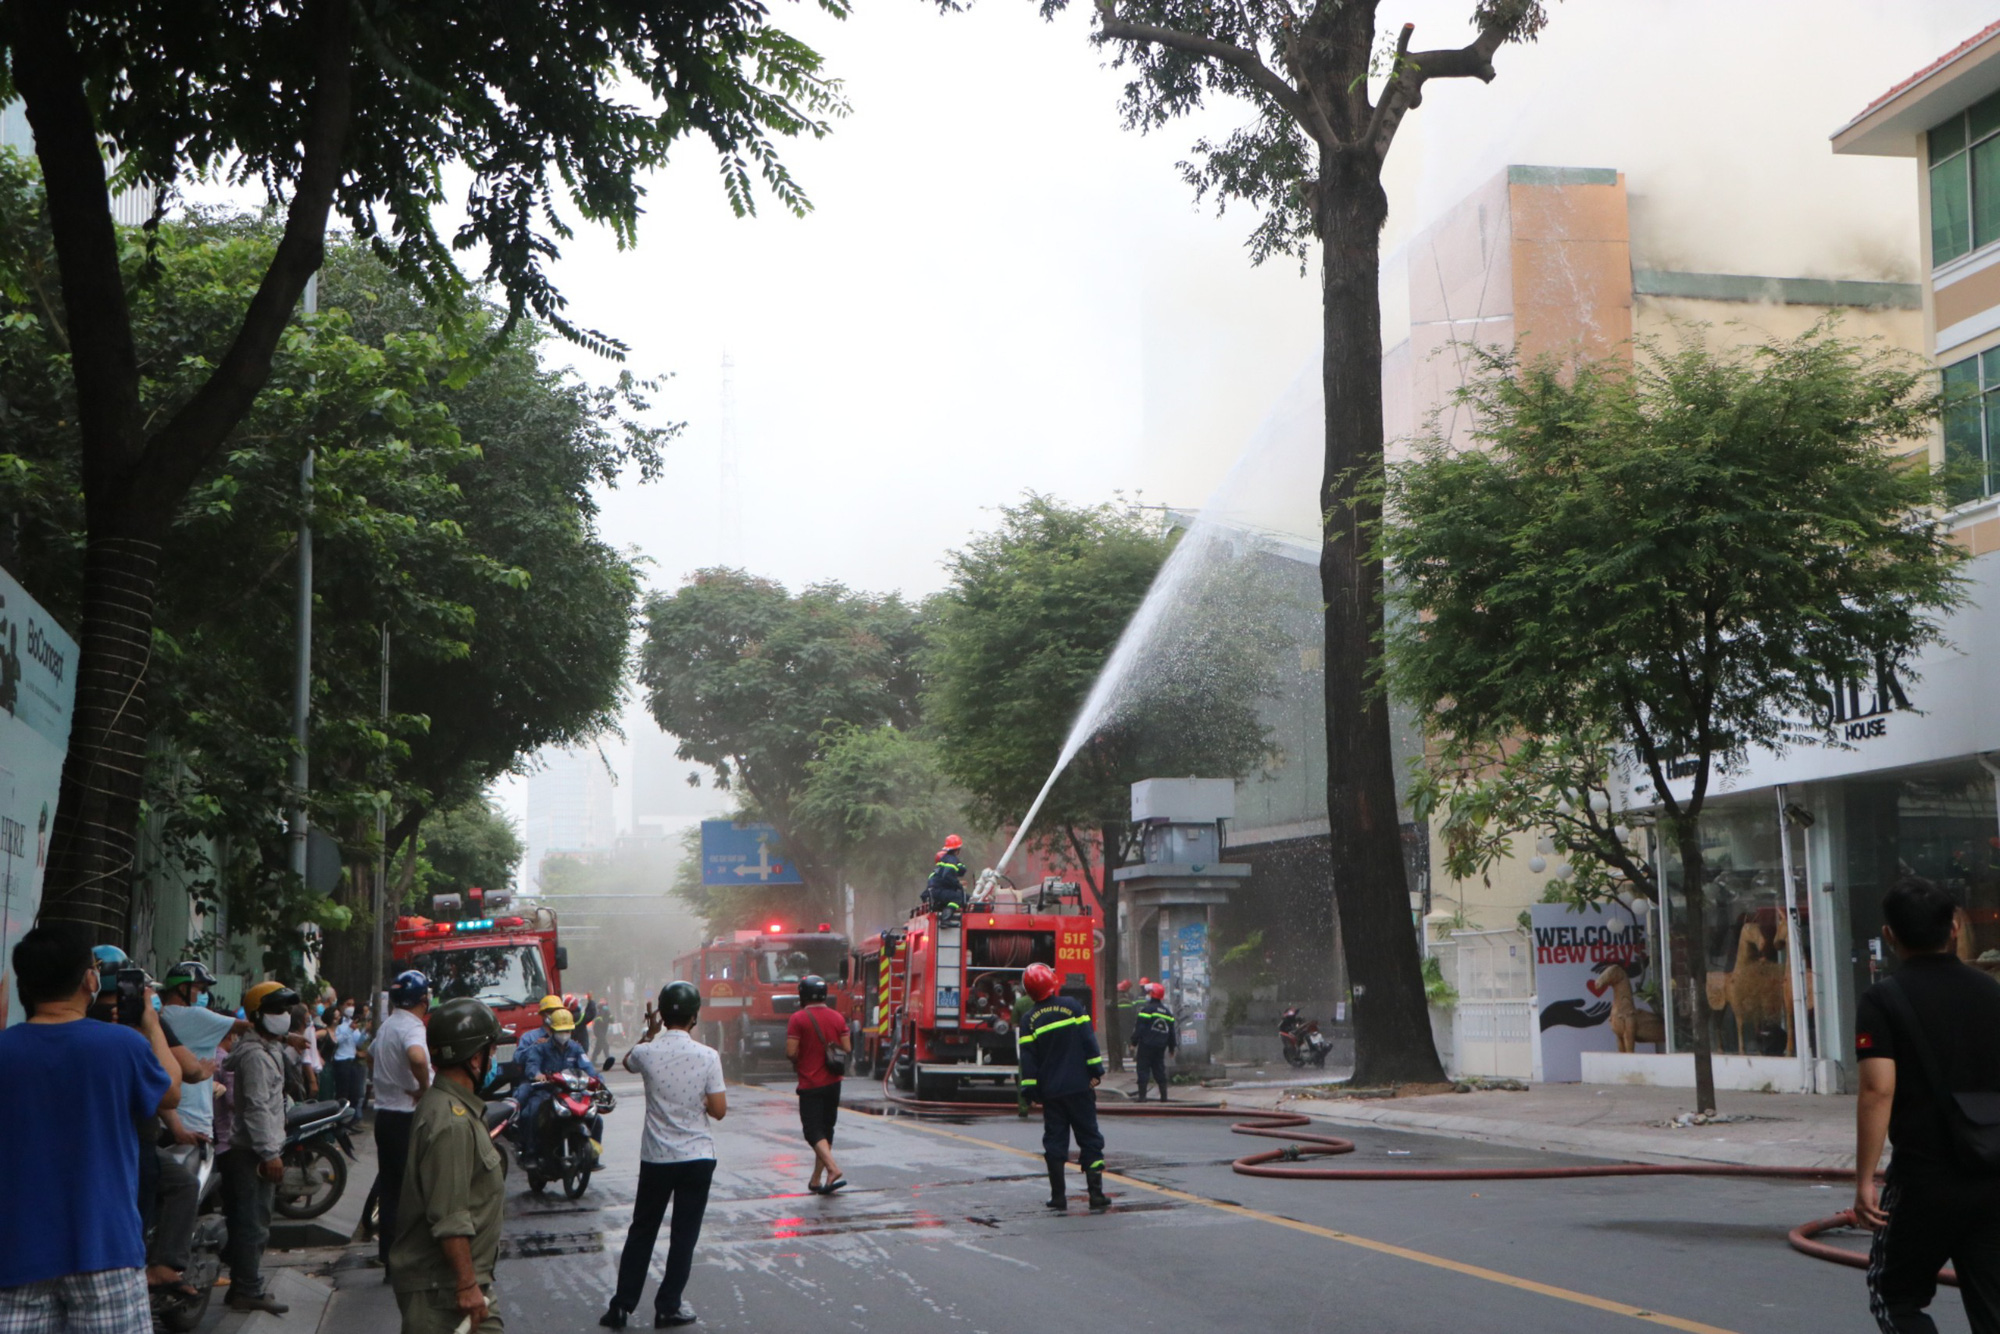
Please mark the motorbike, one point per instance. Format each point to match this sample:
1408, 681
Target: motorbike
562, 1133
176, 1312
318, 1147
1306, 1045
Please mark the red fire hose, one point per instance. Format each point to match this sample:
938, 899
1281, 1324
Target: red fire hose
1283, 1126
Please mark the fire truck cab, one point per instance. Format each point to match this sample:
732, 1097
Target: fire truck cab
484, 948
749, 983
937, 994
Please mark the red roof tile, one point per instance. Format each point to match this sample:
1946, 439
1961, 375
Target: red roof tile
1968, 44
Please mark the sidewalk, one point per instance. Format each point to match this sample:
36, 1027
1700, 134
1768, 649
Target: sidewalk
1602, 1120
1616, 1121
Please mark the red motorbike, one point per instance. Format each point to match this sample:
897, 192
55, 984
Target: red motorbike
564, 1128
1304, 1043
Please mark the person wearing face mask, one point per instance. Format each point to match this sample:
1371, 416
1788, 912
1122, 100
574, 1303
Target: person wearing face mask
72, 1252
349, 1082
252, 1167
448, 1218
185, 992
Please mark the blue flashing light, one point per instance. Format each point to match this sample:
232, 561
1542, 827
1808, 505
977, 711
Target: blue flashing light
478, 924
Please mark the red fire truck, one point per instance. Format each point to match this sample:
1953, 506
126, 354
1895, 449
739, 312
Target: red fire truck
510, 961
749, 983
936, 995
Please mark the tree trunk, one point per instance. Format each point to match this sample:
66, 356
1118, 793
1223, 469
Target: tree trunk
1392, 1034
1694, 930
347, 956
92, 845
1107, 993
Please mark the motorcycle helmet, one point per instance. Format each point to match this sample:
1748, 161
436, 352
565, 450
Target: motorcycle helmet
110, 958
680, 1003
411, 987
812, 987
460, 1030
549, 1003
188, 972
1040, 980
562, 1021
270, 998
1157, 992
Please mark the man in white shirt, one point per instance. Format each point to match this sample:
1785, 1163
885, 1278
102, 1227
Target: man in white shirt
684, 1092
402, 1072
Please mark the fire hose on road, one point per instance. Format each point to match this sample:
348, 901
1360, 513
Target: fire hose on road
1285, 1163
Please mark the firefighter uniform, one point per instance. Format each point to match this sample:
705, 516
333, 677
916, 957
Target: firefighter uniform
1059, 1059
1023, 1003
946, 886
1153, 1036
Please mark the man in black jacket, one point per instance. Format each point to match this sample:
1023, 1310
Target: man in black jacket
1060, 1069
1153, 1036
1930, 1030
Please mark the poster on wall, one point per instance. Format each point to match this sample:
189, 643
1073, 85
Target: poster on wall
37, 688
1589, 967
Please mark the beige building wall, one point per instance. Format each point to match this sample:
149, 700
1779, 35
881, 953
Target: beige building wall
1541, 259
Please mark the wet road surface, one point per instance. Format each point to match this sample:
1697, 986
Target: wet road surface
942, 1229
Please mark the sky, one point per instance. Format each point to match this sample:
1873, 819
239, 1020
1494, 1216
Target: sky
1001, 290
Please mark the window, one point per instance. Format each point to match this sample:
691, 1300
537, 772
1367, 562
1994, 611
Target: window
1965, 181
499, 975
797, 960
1972, 427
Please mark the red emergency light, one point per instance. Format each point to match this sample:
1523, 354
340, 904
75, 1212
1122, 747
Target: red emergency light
825, 927
775, 927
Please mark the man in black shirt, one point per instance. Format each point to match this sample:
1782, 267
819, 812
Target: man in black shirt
1935, 1207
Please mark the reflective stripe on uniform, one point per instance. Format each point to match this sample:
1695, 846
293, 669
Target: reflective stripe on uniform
1039, 1029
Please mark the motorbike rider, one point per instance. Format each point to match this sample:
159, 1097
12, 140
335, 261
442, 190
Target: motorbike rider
946, 886
1060, 1069
252, 1167
448, 1219
545, 1061
1153, 1036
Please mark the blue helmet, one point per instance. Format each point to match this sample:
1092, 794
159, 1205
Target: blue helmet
410, 988
110, 958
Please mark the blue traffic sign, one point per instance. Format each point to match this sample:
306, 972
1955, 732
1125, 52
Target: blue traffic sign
743, 854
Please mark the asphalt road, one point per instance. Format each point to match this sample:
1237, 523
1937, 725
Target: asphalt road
942, 1228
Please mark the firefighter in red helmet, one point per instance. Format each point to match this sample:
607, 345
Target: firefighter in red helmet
1060, 1069
1153, 1036
945, 890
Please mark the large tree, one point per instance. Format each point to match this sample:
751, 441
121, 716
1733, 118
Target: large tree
453, 505
1020, 637
1311, 160
1651, 570
359, 111
757, 682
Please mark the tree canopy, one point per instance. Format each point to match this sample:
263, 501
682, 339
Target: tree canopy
452, 503
757, 682
878, 802
548, 112
1651, 569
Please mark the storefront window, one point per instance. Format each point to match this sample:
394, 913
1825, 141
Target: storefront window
1746, 938
1941, 825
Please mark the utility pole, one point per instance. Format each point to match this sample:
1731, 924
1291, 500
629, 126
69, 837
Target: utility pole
296, 819
381, 903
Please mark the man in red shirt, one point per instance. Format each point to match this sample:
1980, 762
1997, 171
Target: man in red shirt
814, 1031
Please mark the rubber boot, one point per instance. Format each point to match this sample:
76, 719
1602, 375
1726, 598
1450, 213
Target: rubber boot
1098, 1199
1058, 1188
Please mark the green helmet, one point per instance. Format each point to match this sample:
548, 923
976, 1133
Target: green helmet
460, 1030
680, 1002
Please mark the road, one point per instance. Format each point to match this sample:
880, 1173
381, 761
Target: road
943, 1229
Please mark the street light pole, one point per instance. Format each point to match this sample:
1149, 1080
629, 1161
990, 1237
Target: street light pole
381, 832
296, 819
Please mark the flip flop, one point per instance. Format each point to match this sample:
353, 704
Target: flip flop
817, 1190
832, 1186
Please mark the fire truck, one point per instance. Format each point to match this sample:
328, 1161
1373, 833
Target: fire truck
509, 960
936, 995
749, 983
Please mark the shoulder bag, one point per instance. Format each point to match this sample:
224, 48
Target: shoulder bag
1972, 1119
836, 1059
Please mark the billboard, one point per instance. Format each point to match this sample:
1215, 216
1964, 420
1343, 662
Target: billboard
37, 692
1589, 967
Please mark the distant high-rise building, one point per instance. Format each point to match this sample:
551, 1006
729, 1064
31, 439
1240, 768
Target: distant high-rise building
663, 802
570, 809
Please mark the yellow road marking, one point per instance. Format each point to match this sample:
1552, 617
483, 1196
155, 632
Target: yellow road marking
1364, 1243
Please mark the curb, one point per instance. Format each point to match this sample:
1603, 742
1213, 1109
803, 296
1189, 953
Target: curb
1630, 1146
